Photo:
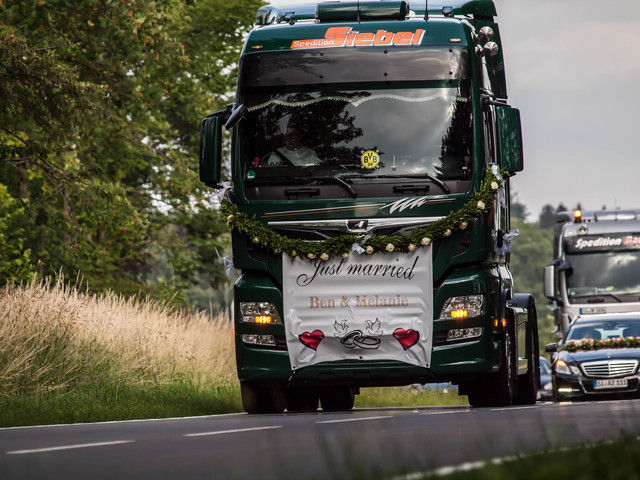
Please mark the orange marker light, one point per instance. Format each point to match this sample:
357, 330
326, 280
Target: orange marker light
577, 216
504, 322
459, 313
263, 319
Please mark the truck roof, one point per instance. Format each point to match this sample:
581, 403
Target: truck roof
594, 216
600, 222
279, 11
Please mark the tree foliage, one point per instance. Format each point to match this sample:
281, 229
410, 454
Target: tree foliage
100, 104
532, 250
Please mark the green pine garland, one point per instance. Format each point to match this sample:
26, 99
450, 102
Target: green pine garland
593, 344
267, 239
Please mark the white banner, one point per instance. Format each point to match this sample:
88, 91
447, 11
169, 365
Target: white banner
364, 307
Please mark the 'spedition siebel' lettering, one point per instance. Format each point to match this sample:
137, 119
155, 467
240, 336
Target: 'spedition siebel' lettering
598, 242
347, 37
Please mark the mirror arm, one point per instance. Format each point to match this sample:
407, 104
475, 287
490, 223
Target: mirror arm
487, 99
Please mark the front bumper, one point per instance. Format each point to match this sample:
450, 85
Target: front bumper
449, 363
578, 387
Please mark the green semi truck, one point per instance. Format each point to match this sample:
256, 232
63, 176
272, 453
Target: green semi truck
372, 146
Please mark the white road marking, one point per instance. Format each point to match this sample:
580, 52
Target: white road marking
445, 412
355, 419
513, 408
112, 422
222, 432
68, 447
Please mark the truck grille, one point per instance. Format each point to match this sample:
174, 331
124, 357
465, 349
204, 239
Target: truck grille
610, 368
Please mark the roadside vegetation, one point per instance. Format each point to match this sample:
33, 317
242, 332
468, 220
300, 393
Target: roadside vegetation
617, 460
67, 356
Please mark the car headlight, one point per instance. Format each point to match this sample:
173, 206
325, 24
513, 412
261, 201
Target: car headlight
259, 312
565, 369
463, 306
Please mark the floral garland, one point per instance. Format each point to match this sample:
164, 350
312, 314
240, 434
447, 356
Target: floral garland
593, 344
267, 239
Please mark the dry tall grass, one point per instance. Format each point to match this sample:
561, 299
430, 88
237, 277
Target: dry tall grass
53, 336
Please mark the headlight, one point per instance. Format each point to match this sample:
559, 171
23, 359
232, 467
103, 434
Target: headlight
564, 369
259, 312
463, 306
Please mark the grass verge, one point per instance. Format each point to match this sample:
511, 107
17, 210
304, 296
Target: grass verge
618, 460
100, 403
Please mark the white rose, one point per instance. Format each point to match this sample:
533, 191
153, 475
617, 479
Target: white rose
389, 247
230, 219
369, 250
311, 255
256, 240
324, 256
425, 241
494, 185
447, 232
412, 247
463, 225
481, 205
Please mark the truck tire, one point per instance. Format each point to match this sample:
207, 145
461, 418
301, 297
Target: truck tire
302, 400
262, 398
496, 389
337, 399
527, 384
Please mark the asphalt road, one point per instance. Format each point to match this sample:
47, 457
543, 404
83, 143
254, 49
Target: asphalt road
365, 443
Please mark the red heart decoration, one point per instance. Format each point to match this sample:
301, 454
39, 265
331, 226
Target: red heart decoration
407, 338
311, 339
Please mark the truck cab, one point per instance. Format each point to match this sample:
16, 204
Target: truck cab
597, 257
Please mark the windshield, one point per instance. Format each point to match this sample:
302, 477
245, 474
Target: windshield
359, 135
604, 276
603, 330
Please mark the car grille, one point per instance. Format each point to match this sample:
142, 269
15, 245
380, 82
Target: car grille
610, 368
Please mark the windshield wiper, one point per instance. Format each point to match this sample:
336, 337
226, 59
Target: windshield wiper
349, 188
598, 297
428, 176
306, 179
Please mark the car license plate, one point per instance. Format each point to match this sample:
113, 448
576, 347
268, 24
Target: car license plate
610, 383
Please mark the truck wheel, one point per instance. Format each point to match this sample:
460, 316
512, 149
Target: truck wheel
302, 400
527, 384
337, 399
262, 398
496, 390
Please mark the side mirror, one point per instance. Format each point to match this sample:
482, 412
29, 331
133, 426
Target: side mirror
551, 347
509, 137
550, 281
211, 150
236, 115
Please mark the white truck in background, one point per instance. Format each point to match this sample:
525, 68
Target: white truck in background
597, 264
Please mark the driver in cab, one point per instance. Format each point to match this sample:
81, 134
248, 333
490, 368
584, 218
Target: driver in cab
293, 152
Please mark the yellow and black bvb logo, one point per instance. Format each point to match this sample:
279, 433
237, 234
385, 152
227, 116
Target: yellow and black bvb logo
370, 159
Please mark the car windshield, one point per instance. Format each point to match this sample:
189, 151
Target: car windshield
602, 330
359, 135
612, 275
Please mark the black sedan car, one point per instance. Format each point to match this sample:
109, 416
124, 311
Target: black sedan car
598, 357
546, 386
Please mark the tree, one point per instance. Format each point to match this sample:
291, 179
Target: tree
519, 210
547, 217
100, 103
532, 250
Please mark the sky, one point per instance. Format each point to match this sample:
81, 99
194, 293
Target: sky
573, 70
